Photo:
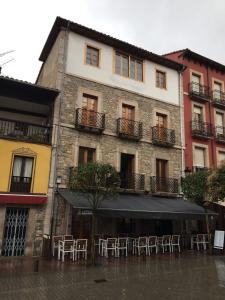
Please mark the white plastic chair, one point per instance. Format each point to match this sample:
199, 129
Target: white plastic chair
66, 247
201, 241
175, 242
81, 248
193, 241
55, 243
108, 245
166, 243
139, 244
122, 246
67, 237
152, 244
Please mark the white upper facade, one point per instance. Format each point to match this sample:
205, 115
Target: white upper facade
76, 65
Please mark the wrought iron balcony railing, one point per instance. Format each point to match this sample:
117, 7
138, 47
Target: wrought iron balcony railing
218, 98
199, 92
132, 181
90, 120
163, 136
129, 129
199, 169
24, 131
164, 185
220, 134
201, 129
20, 184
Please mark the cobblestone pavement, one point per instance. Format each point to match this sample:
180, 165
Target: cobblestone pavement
184, 277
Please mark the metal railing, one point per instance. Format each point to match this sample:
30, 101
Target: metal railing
24, 131
90, 120
163, 184
220, 134
20, 184
129, 129
201, 129
199, 91
163, 136
218, 98
196, 169
132, 181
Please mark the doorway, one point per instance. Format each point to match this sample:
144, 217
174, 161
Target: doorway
127, 171
15, 231
161, 175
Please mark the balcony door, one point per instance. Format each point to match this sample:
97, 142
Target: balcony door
196, 81
89, 110
128, 113
161, 174
127, 171
217, 90
22, 174
219, 123
161, 125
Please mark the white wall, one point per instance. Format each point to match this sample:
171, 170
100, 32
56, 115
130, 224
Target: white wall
104, 74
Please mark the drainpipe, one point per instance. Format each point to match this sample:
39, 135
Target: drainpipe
210, 121
181, 106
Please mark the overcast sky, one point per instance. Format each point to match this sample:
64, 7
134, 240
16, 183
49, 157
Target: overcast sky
159, 26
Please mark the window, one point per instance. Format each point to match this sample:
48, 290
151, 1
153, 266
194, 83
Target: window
219, 123
217, 86
21, 174
198, 113
128, 66
92, 56
89, 108
86, 155
160, 79
196, 80
199, 157
161, 120
221, 157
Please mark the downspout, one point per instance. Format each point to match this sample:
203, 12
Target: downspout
181, 106
56, 138
210, 121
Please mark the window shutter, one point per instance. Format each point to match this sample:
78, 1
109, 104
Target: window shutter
199, 157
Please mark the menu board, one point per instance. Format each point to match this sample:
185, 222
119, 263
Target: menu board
219, 239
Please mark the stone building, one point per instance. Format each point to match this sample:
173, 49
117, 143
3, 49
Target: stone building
119, 104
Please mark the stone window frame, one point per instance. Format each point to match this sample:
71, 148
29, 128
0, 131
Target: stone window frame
23, 152
86, 144
219, 149
193, 104
134, 152
159, 70
200, 74
134, 103
206, 149
215, 80
83, 90
221, 111
162, 111
163, 156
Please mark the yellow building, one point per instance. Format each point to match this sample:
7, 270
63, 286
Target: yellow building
25, 157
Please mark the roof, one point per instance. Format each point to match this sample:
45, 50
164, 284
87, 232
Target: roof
61, 23
139, 206
15, 88
187, 53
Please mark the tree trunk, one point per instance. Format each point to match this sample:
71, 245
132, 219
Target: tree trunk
208, 230
93, 237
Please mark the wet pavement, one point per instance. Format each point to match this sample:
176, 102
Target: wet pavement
187, 276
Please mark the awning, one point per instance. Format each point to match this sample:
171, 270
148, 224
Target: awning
35, 199
139, 206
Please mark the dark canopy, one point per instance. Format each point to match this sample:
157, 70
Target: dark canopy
139, 206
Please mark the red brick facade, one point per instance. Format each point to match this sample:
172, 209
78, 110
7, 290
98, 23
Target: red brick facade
213, 143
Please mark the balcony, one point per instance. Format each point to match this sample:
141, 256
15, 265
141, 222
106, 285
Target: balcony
202, 130
218, 99
133, 181
129, 129
20, 184
220, 134
163, 136
17, 130
196, 169
199, 92
163, 185
89, 120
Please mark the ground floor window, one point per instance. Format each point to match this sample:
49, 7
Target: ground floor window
15, 231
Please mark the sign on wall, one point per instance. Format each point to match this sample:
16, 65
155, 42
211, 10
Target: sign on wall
219, 239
